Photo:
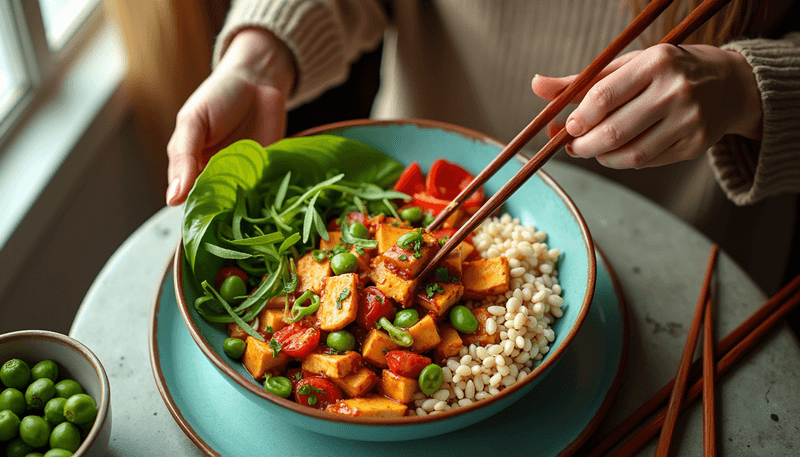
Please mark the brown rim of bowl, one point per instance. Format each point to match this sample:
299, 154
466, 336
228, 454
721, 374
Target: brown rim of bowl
405, 420
102, 377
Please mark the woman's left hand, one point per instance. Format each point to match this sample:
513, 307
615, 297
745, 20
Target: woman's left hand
661, 105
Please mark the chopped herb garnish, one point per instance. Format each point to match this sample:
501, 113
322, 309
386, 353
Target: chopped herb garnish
385, 350
275, 346
269, 329
433, 289
298, 376
318, 255
395, 224
342, 296
403, 257
444, 240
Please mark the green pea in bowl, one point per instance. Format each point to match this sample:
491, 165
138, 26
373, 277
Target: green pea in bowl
74, 361
539, 201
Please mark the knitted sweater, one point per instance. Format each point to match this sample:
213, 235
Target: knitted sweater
470, 63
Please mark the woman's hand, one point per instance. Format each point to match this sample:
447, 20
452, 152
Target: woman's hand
244, 97
661, 105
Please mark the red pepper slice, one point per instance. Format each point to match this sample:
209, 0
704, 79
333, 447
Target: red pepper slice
411, 180
446, 180
406, 363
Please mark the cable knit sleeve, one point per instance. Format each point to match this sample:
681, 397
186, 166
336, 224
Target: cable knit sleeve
325, 37
749, 171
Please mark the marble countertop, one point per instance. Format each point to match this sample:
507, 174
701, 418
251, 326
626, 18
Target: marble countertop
659, 260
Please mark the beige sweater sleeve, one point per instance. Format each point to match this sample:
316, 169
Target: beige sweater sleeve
325, 37
749, 171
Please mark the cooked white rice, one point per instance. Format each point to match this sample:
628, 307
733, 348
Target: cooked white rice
522, 317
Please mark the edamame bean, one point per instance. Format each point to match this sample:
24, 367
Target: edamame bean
463, 320
411, 214
278, 385
430, 379
359, 230
344, 262
341, 340
234, 348
231, 288
406, 318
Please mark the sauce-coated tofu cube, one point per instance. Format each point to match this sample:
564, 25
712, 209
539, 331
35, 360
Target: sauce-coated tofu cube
480, 337
375, 346
425, 334
332, 365
357, 384
387, 235
271, 320
391, 283
453, 260
450, 345
339, 304
371, 406
259, 360
485, 277
311, 274
411, 261
440, 302
399, 388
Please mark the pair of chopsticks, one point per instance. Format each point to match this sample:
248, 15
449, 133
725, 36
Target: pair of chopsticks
697, 18
728, 351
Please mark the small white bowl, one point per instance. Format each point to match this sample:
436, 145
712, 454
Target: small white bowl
75, 361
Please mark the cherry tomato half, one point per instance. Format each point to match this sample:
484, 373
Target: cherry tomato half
298, 339
225, 272
406, 363
317, 392
375, 306
411, 180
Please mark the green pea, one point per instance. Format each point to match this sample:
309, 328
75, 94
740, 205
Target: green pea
57, 453
17, 448
406, 318
15, 373
428, 219
67, 388
9, 425
35, 454
412, 214
278, 385
34, 431
430, 379
54, 410
341, 340
39, 392
344, 262
359, 230
234, 348
80, 409
14, 400
45, 369
407, 240
231, 288
65, 436
463, 320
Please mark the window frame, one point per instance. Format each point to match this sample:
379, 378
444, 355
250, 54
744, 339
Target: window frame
44, 68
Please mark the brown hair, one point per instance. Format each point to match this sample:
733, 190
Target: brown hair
732, 21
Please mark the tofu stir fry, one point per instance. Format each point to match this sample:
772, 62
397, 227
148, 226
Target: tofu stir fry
358, 333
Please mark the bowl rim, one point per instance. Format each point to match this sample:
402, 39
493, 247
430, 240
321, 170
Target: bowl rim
103, 404
551, 359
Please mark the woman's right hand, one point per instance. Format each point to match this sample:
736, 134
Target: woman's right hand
244, 97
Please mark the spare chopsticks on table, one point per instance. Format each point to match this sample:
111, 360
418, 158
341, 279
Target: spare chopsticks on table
649, 14
728, 351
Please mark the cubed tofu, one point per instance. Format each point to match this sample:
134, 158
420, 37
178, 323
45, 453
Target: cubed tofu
387, 235
450, 345
425, 334
311, 274
480, 337
455, 219
339, 304
271, 320
371, 406
334, 238
405, 259
357, 384
258, 358
375, 346
439, 303
332, 365
399, 388
485, 277
469, 252
234, 331
453, 260
392, 285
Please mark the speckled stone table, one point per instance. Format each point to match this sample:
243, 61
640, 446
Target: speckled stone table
659, 261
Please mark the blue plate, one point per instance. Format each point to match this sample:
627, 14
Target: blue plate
555, 418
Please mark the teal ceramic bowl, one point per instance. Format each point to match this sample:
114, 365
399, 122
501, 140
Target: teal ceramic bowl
539, 201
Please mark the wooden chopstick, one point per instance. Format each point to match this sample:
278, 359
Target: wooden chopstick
722, 348
697, 18
709, 409
679, 388
722, 366
634, 29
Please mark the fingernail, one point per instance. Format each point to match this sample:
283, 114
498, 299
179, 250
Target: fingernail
173, 189
573, 128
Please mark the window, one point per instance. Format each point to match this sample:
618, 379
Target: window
37, 39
